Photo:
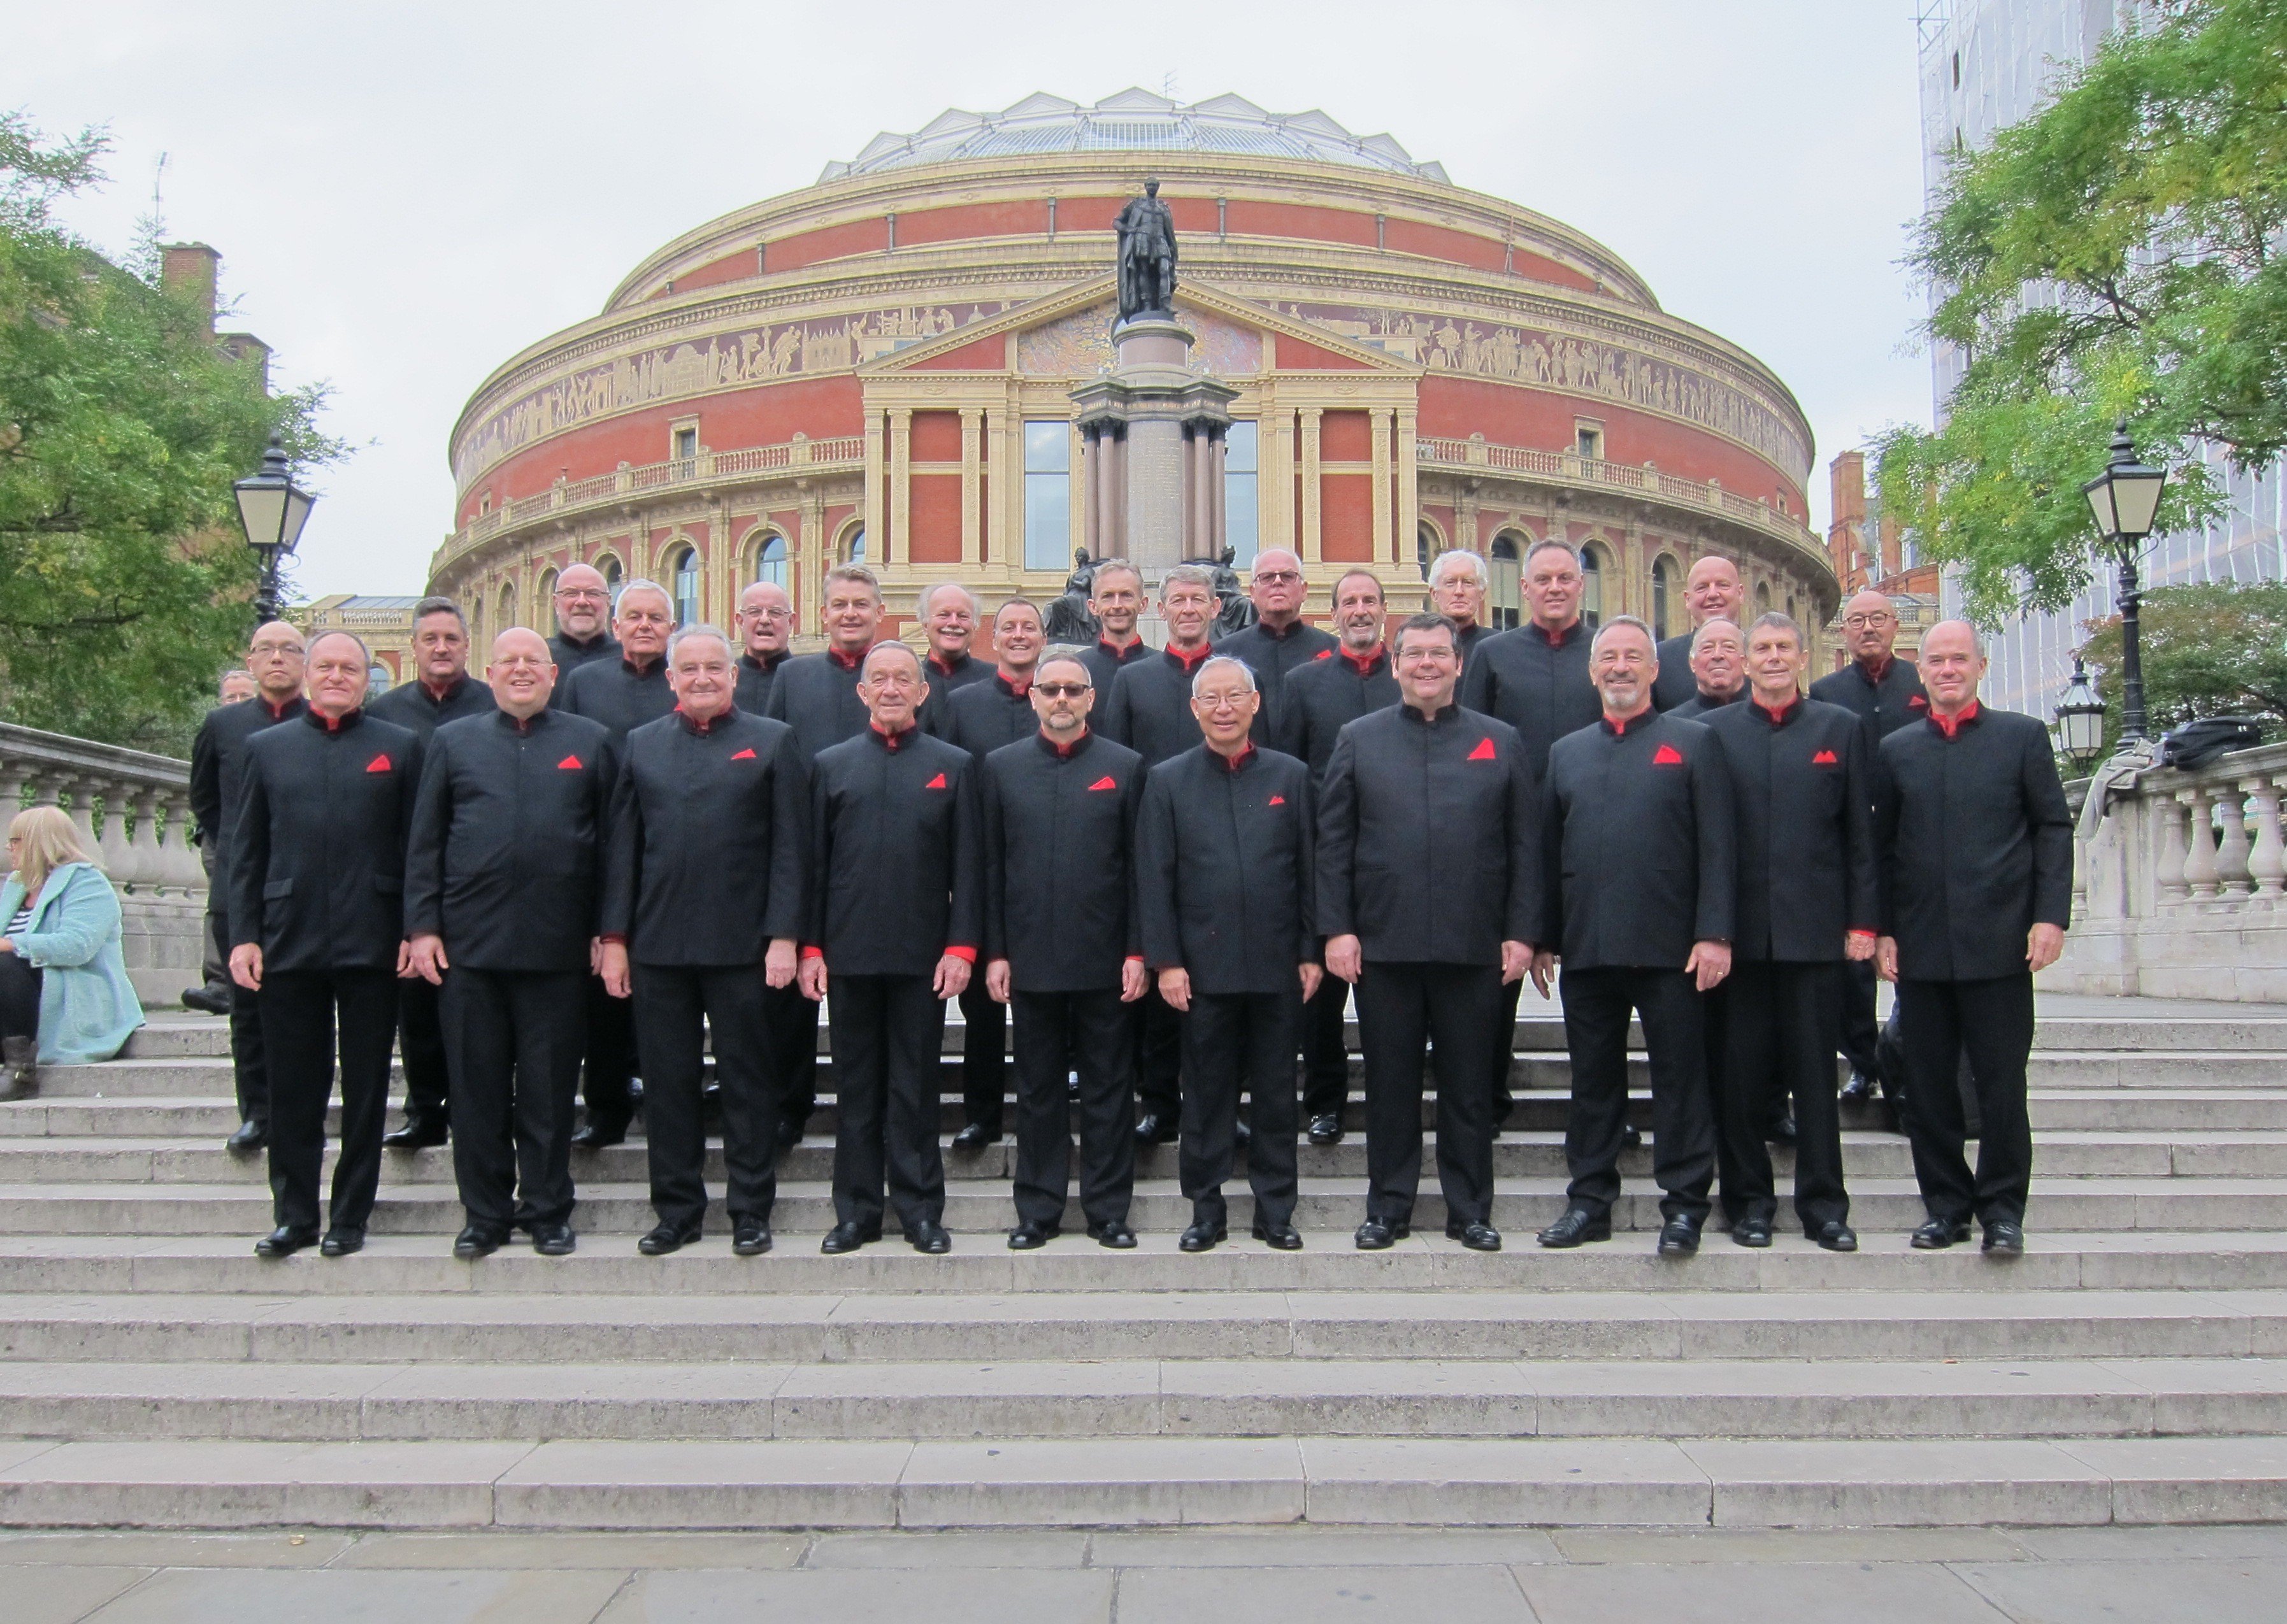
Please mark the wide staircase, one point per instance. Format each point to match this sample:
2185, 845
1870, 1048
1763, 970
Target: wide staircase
2132, 1367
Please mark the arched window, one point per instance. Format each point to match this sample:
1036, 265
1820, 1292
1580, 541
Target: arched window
853, 547
1763, 597
612, 575
770, 561
1663, 592
545, 603
377, 681
1505, 598
1592, 587
687, 586
1426, 547
507, 607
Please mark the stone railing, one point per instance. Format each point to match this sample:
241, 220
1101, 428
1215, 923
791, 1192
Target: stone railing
133, 810
2182, 892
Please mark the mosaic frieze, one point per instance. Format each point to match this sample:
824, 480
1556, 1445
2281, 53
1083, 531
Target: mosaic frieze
1080, 345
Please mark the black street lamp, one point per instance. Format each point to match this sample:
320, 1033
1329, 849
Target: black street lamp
2080, 719
271, 509
2124, 498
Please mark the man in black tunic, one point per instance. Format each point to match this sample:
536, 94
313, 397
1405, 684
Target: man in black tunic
623, 694
1064, 950
896, 921
1280, 641
1976, 839
1719, 670
1457, 588
982, 717
766, 629
275, 659
442, 692
1712, 591
1640, 865
316, 921
1428, 893
1801, 785
703, 905
949, 614
503, 888
1323, 698
584, 623
1116, 600
1223, 884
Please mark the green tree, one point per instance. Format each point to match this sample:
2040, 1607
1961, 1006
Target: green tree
2218, 649
125, 585
2117, 255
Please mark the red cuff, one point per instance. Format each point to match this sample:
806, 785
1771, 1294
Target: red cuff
813, 952
616, 941
1135, 958
967, 955
1863, 930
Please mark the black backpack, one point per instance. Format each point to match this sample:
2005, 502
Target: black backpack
2198, 743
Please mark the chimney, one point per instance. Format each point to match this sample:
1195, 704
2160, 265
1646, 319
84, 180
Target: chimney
189, 268
1845, 527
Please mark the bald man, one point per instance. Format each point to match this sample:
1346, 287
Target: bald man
1280, 641
765, 631
584, 623
1712, 591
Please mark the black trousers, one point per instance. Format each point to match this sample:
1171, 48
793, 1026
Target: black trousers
1504, 1054
1325, 1055
20, 997
1450, 1009
1861, 1034
249, 1061
1780, 1040
889, 1038
791, 1022
610, 1056
1097, 1031
1597, 1004
983, 1057
1993, 1021
308, 1017
1158, 1057
676, 1006
512, 1040
1231, 1039
421, 1047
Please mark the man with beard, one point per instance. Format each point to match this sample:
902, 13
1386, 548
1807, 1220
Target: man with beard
583, 615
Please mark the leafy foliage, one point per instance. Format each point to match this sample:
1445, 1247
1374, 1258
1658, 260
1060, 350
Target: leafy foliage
2219, 649
2115, 256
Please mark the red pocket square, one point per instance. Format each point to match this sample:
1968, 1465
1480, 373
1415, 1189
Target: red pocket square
1915, 702
1668, 755
1103, 782
1278, 800
1483, 752
937, 783
1824, 758
744, 755
379, 764
570, 763
1324, 654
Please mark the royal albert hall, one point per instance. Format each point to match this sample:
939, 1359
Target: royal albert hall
882, 368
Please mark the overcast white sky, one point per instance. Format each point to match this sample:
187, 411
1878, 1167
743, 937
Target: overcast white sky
406, 192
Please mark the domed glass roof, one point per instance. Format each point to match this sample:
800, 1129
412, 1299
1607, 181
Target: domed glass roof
1134, 121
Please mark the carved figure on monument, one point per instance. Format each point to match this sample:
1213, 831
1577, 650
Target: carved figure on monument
1070, 619
1238, 610
1147, 254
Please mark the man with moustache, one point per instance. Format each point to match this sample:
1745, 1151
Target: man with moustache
703, 904
317, 922
1063, 950
583, 617
896, 921
1323, 698
1458, 585
1223, 884
1719, 668
1427, 872
1977, 848
1641, 863
1712, 591
502, 886
1801, 788
981, 718
623, 694
1116, 600
1884, 690
817, 695
949, 614
1279, 641
275, 659
441, 692
766, 629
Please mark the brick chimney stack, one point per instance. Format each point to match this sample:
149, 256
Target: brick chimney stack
1846, 529
190, 267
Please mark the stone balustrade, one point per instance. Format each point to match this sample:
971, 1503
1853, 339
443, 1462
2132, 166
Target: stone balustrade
133, 810
2182, 891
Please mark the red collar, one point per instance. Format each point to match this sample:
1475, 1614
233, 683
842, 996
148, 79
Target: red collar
1234, 764
1785, 713
1558, 638
1875, 674
948, 667
317, 718
1951, 726
1063, 752
891, 742
1363, 664
1120, 651
1189, 662
1618, 726
848, 662
440, 695
702, 726
1017, 689
278, 713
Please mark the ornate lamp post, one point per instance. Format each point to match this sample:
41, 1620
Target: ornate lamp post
2080, 719
2124, 498
271, 509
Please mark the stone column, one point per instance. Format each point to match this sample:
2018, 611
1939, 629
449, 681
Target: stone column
2200, 861
1383, 436
2231, 853
972, 516
2266, 860
901, 492
997, 539
2168, 874
1407, 474
877, 481
1310, 416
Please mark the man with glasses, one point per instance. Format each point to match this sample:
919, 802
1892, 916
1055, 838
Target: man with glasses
949, 612
1280, 641
766, 629
584, 628
1458, 585
1712, 591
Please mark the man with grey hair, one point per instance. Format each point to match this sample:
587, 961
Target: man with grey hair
1719, 668
950, 613
1115, 597
1458, 585
582, 602
1281, 640
1712, 591
765, 626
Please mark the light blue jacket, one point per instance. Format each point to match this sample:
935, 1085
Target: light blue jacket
87, 1005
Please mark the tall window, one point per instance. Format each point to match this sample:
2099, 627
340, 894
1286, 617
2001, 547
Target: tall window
685, 443
687, 588
1047, 494
544, 604
771, 562
507, 607
1663, 589
1592, 587
1425, 548
613, 576
1242, 515
853, 551
1505, 599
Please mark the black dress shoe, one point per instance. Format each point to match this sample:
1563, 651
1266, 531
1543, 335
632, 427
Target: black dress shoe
599, 1136
284, 1242
1678, 1237
341, 1243
1378, 1234
1577, 1225
251, 1138
928, 1237
1837, 1236
848, 1238
1938, 1233
1753, 1231
1030, 1237
1150, 1130
667, 1238
2004, 1239
1279, 1237
207, 1001
1478, 1237
1202, 1236
1781, 1130
790, 1134
554, 1239
1631, 1136
1241, 1134
750, 1237
1860, 1087
1072, 1087
479, 1241
977, 1136
1327, 1130
1115, 1236
415, 1135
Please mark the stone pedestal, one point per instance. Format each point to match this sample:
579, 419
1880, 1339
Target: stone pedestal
1154, 430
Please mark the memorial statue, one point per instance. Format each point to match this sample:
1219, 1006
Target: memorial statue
1235, 612
1147, 255
1070, 619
